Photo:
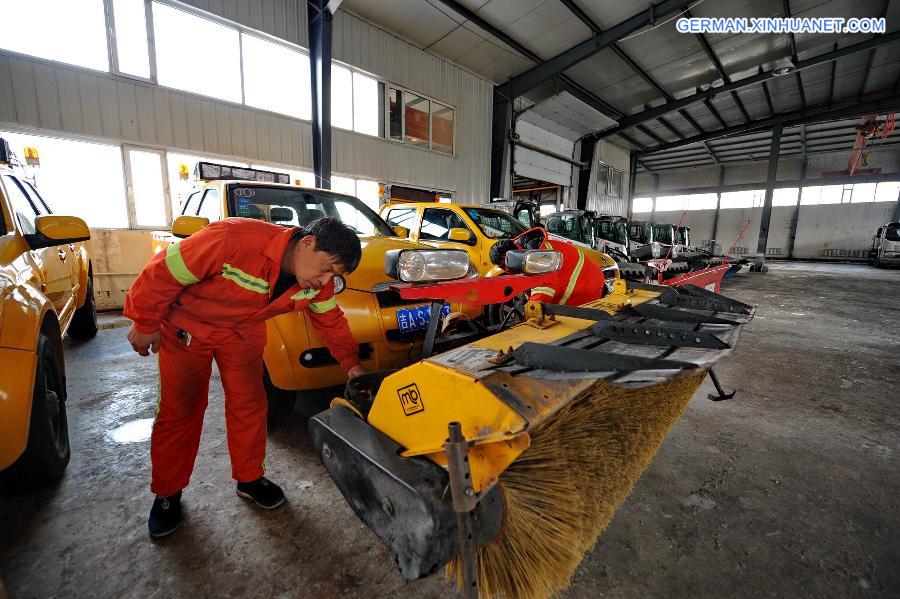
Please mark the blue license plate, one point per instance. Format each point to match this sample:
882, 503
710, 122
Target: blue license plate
416, 318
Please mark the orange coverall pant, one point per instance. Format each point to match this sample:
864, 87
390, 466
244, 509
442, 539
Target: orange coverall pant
184, 392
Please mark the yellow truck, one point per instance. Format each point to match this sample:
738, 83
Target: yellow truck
474, 228
46, 291
390, 331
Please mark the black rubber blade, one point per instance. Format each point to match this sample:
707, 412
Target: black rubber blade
405, 501
573, 359
647, 334
660, 312
716, 297
693, 302
575, 312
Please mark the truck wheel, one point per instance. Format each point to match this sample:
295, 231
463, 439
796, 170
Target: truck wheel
84, 322
47, 453
281, 401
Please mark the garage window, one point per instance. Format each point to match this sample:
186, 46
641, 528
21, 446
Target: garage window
642, 205
196, 55
79, 178
276, 77
73, 32
420, 121
132, 48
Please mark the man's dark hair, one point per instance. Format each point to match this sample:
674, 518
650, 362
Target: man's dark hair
335, 238
498, 251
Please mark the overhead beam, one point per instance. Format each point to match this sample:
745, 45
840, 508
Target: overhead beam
792, 42
833, 77
651, 134
566, 82
634, 119
765, 87
712, 109
841, 110
533, 77
865, 81
587, 20
711, 54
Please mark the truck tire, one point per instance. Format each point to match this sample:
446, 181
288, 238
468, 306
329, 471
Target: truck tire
84, 322
47, 452
281, 401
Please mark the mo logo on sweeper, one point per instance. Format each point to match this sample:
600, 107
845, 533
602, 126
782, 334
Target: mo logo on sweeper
411, 399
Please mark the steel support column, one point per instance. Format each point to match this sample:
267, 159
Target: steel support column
767, 206
655, 191
715, 227
320, 24
584, 174
796, 218
632, 177
501, 132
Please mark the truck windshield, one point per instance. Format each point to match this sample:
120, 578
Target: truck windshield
892, 233
684, 236
495, 224
564, 225
615, 231
662, 233
294, 206
639, 233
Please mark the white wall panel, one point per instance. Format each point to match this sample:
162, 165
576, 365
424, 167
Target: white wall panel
839, 226
618, 158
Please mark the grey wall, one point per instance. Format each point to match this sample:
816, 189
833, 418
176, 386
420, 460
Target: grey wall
51, 98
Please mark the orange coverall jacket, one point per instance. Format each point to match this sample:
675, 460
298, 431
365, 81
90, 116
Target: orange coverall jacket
578, 281
218, 282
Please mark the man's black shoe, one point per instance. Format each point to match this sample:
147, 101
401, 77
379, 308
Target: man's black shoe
264, 492
165, 515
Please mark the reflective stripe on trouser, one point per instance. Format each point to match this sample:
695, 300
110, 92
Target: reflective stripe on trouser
184, 390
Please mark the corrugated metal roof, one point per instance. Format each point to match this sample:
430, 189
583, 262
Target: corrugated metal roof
676, 62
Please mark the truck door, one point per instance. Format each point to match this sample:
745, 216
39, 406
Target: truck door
51, 267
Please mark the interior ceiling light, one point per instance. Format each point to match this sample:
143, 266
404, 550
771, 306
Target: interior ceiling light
783, 67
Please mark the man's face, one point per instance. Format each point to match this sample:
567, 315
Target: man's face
313, 268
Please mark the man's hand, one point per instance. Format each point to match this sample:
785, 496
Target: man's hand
144, 343
356, 371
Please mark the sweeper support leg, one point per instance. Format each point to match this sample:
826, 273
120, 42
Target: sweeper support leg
463, 503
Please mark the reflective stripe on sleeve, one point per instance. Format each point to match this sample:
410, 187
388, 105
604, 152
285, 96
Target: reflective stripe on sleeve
544, 290
305, 294
247, 281
574, 278
320, 307
177, 267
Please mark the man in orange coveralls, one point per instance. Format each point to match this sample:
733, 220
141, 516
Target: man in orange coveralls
207, 298
578, 281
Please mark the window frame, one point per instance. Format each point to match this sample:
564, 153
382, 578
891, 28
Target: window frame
113, 48
129, 187
388, 87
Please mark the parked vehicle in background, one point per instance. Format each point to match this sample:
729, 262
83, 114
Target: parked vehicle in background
389, 330
885, 245
474, 228
526, 212
46, 291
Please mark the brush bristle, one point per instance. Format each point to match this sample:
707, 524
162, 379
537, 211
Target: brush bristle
563, 491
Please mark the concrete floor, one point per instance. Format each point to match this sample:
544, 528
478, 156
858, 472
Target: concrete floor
790, 489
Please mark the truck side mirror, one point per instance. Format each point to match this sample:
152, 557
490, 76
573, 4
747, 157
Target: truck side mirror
460, 234
53, 229
401, 232
185, 226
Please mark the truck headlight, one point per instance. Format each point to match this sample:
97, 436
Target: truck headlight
417, 266
655, 249
533, 262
